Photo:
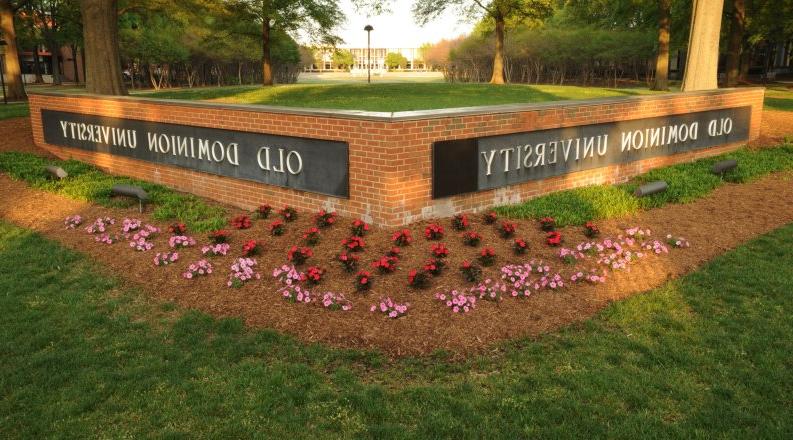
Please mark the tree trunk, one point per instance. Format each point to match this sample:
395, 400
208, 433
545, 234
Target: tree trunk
498, 58
13, 74
267, 68
735, 41
102, 59
746, 61
55, 67
37, 65
703, 46
74, 64
662, 59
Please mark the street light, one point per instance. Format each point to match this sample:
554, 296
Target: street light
2, 69
368, 30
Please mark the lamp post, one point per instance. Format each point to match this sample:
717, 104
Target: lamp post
2, 70
368, 30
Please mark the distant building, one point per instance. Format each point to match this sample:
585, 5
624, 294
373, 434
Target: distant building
377, 60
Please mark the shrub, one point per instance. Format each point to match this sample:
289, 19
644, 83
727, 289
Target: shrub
177, 228
433, 231
520, 246
277, 228
241, 222
242, 271
402, 238
547, 224
553, 238
311, 236
219, 236
199, 268
336, 301
299, 256
313, 275
73, 221
363, 281
390, 308
215, 250
490, 218
386, 264
591, 230
458, 302
140, 239
181, 241
471, 272
264, 211
348, 261
251, 247
487, 256
354, 244
418, 279
434, 266
460, 222
288, 213
325, 219
359, 228
472, 239
507, 229
439, 250
166, 258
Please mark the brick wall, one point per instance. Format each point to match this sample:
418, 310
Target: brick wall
390, 154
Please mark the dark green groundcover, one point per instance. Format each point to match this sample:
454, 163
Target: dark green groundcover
81, 355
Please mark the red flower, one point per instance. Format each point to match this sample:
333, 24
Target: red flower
277, 227
434, 266
394, 252
359, 228
460, 222
177, 228
264, 210
418, 280
547, 224
440, 250
354, 244
325, 219
491, 217
433, 231
470, 271
219, 236
364, 280
507, 229
348, 261
288, 213
299, 255
241, 222
591, 230
250, 247
554, 238
520, 246
487, 256
471, 238
313, 275
311, 236
402, 238
386, 264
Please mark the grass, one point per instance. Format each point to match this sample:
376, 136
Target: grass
88, 183
14, 110
392, 97
779, 98
708, 355
687, 182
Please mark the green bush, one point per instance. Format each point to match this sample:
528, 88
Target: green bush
85, 182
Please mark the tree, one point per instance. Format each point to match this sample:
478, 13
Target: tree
735, 42
662, 57
343, 59
100, 36
394, 60
317, 18
499, 11
12, 71
703, 46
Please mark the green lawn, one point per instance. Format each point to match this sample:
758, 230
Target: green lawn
393, 97
13, 110
81, 355
779, 98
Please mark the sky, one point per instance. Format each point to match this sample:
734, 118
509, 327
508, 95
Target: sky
397, 28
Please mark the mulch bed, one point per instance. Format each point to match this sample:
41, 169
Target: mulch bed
731, 215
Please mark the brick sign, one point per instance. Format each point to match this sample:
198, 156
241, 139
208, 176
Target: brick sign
315, 165
477, 164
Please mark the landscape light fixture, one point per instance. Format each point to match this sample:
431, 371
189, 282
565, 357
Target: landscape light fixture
2, 69
368, 30
647, 189
723, 166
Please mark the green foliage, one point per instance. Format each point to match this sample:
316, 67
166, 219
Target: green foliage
87, 183
395, 60
343, 58
14, 110
83, 356
687, 182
